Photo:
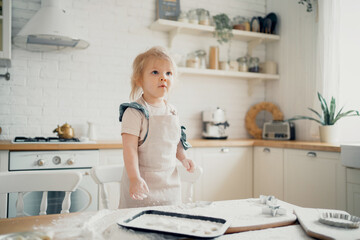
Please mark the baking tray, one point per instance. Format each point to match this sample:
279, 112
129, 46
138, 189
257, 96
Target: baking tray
177, 224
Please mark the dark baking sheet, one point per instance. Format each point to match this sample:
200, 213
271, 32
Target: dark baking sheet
225, 223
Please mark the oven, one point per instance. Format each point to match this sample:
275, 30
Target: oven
85, 198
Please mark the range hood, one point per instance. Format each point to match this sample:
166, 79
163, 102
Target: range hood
50, 29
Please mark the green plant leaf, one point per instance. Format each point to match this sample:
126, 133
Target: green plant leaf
305, 117
318, 114
346, 114
332, 110
324, 108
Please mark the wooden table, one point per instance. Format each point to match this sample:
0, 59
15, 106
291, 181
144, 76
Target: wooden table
101, 221
23, 224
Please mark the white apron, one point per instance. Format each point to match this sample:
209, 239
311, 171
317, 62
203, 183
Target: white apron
157, 165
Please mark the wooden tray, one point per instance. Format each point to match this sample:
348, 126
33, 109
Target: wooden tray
309, 220
244, 214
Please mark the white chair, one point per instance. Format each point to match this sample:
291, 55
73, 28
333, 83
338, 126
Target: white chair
21, 182
106, 174
189, 179
113, 173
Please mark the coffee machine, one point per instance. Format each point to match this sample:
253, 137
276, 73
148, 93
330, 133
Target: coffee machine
214, 124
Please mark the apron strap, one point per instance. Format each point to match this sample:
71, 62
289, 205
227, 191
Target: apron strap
136, 106
186, 145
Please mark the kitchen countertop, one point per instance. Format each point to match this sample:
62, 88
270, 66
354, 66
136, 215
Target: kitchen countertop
117, 144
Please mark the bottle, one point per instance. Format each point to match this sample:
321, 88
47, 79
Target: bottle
91, 131
214, 57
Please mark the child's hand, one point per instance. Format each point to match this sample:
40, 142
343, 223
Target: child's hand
138, 189
188, 164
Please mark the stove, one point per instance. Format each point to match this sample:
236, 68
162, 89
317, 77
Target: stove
44, 140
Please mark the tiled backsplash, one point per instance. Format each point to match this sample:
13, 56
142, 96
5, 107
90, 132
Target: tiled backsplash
76, 86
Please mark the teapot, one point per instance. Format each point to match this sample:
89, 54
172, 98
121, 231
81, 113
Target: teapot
65, 131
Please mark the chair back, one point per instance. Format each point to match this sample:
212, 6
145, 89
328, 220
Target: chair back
189, 179
106, 174
21, 182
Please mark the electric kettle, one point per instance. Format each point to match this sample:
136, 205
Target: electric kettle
214, 124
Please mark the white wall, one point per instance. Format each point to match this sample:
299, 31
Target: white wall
47, 89
349, 68
295, 54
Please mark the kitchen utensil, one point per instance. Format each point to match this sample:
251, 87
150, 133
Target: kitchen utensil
338, 219
272, 16
255, 24
65, 131
177, 223
214, 124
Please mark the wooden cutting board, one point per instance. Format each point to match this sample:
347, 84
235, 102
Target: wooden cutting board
244, 214
309, 220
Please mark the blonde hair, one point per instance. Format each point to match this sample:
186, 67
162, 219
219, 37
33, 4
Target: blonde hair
139, 65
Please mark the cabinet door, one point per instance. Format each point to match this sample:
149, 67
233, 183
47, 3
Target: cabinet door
268, 172
353, 191
314, 179
227, 173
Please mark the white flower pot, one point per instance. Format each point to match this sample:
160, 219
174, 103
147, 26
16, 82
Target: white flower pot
329, 134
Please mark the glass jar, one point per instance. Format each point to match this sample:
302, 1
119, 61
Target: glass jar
201, 54
204, 17
238, 23
192, 60
183, 17
254, 64
243, 64
193, 17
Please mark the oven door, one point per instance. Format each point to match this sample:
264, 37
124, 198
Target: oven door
85, 198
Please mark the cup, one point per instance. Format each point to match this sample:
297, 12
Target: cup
270, 67
224, 65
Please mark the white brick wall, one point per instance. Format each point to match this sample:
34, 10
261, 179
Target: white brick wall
47, 89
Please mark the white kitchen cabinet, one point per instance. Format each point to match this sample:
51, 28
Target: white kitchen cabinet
314, 179
5, 33
353, 191
110, 157
227, 173
269, 172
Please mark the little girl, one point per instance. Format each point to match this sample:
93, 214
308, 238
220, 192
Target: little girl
152, 136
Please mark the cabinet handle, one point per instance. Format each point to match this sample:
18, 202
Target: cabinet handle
224, 150
311, 154
266, 150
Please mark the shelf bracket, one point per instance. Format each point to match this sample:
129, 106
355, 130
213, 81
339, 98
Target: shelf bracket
172, 35
253, 44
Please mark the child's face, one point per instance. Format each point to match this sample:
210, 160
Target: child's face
156, 79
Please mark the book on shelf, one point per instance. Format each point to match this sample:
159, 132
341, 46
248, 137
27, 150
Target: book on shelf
167, 9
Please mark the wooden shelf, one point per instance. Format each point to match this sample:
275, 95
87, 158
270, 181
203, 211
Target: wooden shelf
175, 27
221, 73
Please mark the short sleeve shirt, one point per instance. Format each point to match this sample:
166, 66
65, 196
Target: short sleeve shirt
134, 121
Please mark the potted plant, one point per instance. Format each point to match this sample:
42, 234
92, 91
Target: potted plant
223, 30
328, 118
